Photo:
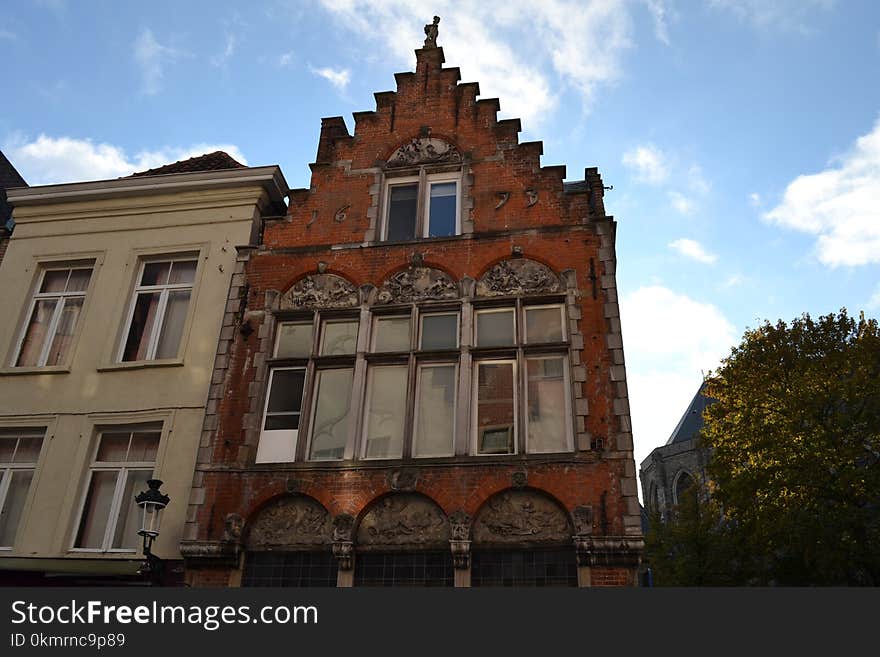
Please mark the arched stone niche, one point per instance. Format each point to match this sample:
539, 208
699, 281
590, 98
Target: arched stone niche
405, 520
518, 276
423, 150
521, 517
289, 522
320, 291
416, 284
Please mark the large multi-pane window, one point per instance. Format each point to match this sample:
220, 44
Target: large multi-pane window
521, 391
400, 394
310, 387
123, 461
159, 308
421, 206
53, 316
19, 453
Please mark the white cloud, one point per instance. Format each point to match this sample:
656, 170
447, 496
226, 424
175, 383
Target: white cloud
584, 41
228, 51
648, 164
285, 58
338, 78
682, 203
696, 182
840, 206
782, 15
755, 199
733, 280
693, 250
659, 10
670, 340
152, 57
48, 160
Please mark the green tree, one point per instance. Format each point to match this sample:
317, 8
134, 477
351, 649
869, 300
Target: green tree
795, 437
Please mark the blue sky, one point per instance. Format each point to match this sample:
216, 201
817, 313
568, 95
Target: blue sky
742, 137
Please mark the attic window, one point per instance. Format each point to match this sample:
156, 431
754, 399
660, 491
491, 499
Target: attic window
422, 206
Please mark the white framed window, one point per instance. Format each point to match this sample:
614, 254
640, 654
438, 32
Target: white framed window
294, 340
495, 327
391, 333
543, 324
159, 308
330, 414
282, 415
435, 410
548, 411
53, 316
427, 205
339, 337
19, 453
495, 407
124, 459
385, 411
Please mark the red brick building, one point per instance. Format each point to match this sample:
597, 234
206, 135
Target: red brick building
420, 378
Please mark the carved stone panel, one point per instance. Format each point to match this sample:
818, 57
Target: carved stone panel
404, 520
519, 516
417, 284
424, 150
518, 276
320, 291
289, 522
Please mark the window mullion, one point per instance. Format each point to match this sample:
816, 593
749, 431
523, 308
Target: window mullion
421, 227
5, 480
50, 332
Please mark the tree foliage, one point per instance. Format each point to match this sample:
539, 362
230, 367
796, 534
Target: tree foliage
795, 440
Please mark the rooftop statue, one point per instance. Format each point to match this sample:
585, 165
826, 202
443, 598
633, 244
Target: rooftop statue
431, 33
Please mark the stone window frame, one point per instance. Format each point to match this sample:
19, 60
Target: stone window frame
519, 353
9, 468
675, 482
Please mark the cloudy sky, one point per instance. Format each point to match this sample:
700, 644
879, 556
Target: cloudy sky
742, 137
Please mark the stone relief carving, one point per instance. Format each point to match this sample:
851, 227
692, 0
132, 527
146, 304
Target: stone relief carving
233, 526
417, 284
460, 525
424, 150
519, 479
583, 520
518, 276
403, 520
403, 480
290, 521
517, 516
503, 197
341, 213
531, 197
320, 291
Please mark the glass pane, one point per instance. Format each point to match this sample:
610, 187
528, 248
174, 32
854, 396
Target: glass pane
546, 412
155, 273
96, 511
392, 334
495, 409
37, 330
142, 326
385, 413
495, 329
28, 450
294, 341
64, 332
172, 327
182, 271
130, 514
113, 447
285, 397
442, 213
7, 448
402, 207
331, 414
144, 445
435, 411
13, 505
79, 280
339, 338
543, 325
55, 281
439, 331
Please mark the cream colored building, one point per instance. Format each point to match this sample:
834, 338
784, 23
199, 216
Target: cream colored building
113, 295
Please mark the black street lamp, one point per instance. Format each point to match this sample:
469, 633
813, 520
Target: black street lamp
152, 501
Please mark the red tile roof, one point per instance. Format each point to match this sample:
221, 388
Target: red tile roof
209, 162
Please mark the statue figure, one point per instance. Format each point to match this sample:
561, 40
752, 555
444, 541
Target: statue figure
431, 33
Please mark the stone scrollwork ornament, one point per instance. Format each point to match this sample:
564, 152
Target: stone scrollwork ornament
289, 521
519, 516
320, 291
518, 276
417, 284
424, 150
403, 519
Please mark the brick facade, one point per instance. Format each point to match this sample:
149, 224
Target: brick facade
512, 210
